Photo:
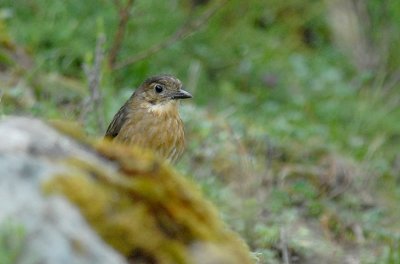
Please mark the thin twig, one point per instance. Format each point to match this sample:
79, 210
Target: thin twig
393, 81
284, 247
117, 3
93, 74
1, 107
184, 31
124, 14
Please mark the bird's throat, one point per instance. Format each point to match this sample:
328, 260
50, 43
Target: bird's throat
167, 108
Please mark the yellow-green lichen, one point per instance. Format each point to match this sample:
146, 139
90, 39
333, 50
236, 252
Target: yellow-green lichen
145, 209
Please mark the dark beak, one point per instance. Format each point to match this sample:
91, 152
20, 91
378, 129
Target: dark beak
181, 94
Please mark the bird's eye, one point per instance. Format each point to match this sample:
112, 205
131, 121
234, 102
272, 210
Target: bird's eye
158, 88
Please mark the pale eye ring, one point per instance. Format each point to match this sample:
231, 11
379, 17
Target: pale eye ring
158, 88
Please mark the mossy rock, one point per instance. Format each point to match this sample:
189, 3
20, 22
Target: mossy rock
144, 209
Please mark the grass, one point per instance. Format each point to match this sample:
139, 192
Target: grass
285, 135
11, 242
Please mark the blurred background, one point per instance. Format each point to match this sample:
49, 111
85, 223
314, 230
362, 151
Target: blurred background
294, 128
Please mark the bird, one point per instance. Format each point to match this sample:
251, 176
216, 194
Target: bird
150, 118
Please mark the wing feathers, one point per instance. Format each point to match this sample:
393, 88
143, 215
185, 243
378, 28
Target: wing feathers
118, 121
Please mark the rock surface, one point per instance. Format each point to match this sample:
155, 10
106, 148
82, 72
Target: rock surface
83, 202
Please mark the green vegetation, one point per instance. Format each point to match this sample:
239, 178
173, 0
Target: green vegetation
293, 131
11, 241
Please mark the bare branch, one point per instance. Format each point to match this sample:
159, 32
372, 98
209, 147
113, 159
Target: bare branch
117, 3
181, 33
93, 74
284, 246
124, 14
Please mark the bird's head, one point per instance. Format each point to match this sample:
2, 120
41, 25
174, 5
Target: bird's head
161, 90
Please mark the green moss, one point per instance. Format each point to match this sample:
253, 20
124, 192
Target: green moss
72, 129
146, 209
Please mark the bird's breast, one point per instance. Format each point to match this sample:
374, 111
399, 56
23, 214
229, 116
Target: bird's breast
159, 129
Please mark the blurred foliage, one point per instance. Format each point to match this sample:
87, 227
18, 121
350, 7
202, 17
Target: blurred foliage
11, 241
287, 133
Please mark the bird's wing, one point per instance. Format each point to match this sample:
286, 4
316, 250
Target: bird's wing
117, 122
